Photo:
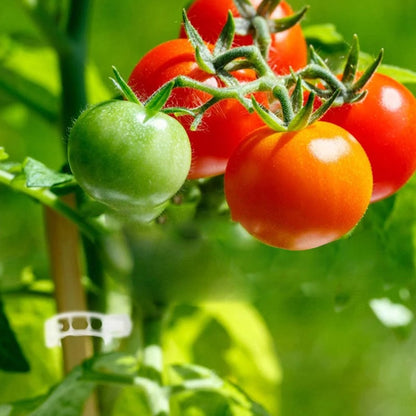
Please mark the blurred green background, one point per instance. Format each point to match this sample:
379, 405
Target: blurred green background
337, 358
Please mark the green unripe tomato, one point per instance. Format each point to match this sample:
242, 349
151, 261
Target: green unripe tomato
127, 158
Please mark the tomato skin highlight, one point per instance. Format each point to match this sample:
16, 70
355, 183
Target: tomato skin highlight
126, 160
224, 125
385, 125
288, 48
298, 190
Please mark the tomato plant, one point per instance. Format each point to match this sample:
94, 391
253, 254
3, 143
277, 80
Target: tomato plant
298, 190
288, 48
191, 285
224, 125
129, 159
384, 124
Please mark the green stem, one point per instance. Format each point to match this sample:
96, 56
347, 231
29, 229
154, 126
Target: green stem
251, 54
262, 35
314, 71
72, 64
152, 362
92, 230
47, 26
238, 92
152, 355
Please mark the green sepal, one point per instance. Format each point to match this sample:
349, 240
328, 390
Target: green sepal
123, 88
178, 111
357, 97
281, 93
268, 117
225, 40
326, 94
297, 96
368, 73
200, 112
227, 78
245, 8
314, 58
242, 26
351, 65
159, 98
267, 7
203, 63
317, 72
196, 121
262, 37
203, 55
302, 117
322, 109
284, 23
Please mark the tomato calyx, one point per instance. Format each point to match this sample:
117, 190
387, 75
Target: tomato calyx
293, 113
222, 60
318, 77
153, 105
291, 98
259, 23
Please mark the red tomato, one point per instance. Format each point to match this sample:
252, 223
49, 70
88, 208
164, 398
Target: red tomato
288, 48
224, 125
385, 125
298, 190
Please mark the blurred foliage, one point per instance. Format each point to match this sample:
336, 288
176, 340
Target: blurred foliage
336, 356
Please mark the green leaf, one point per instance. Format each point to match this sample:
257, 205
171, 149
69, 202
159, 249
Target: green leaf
29, 74
207, 389
11, 355
26, 315
29, 93
68, 398
21, 408
405, 76
195, 331
324, 35
3, 154
40, 176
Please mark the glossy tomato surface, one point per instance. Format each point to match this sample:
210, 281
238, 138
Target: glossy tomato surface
298, 190
288, 48
224, 125
385, 125
127, 160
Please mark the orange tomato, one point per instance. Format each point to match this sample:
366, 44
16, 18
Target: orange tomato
299, 190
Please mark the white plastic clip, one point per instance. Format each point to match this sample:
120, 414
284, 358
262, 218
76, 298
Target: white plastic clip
83, 323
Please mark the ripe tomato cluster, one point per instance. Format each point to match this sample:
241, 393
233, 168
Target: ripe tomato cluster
300, 171
300, 190
226, 123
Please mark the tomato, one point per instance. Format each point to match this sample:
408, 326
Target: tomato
224, 125
288, 48
128, 162
298, 190
385, 125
